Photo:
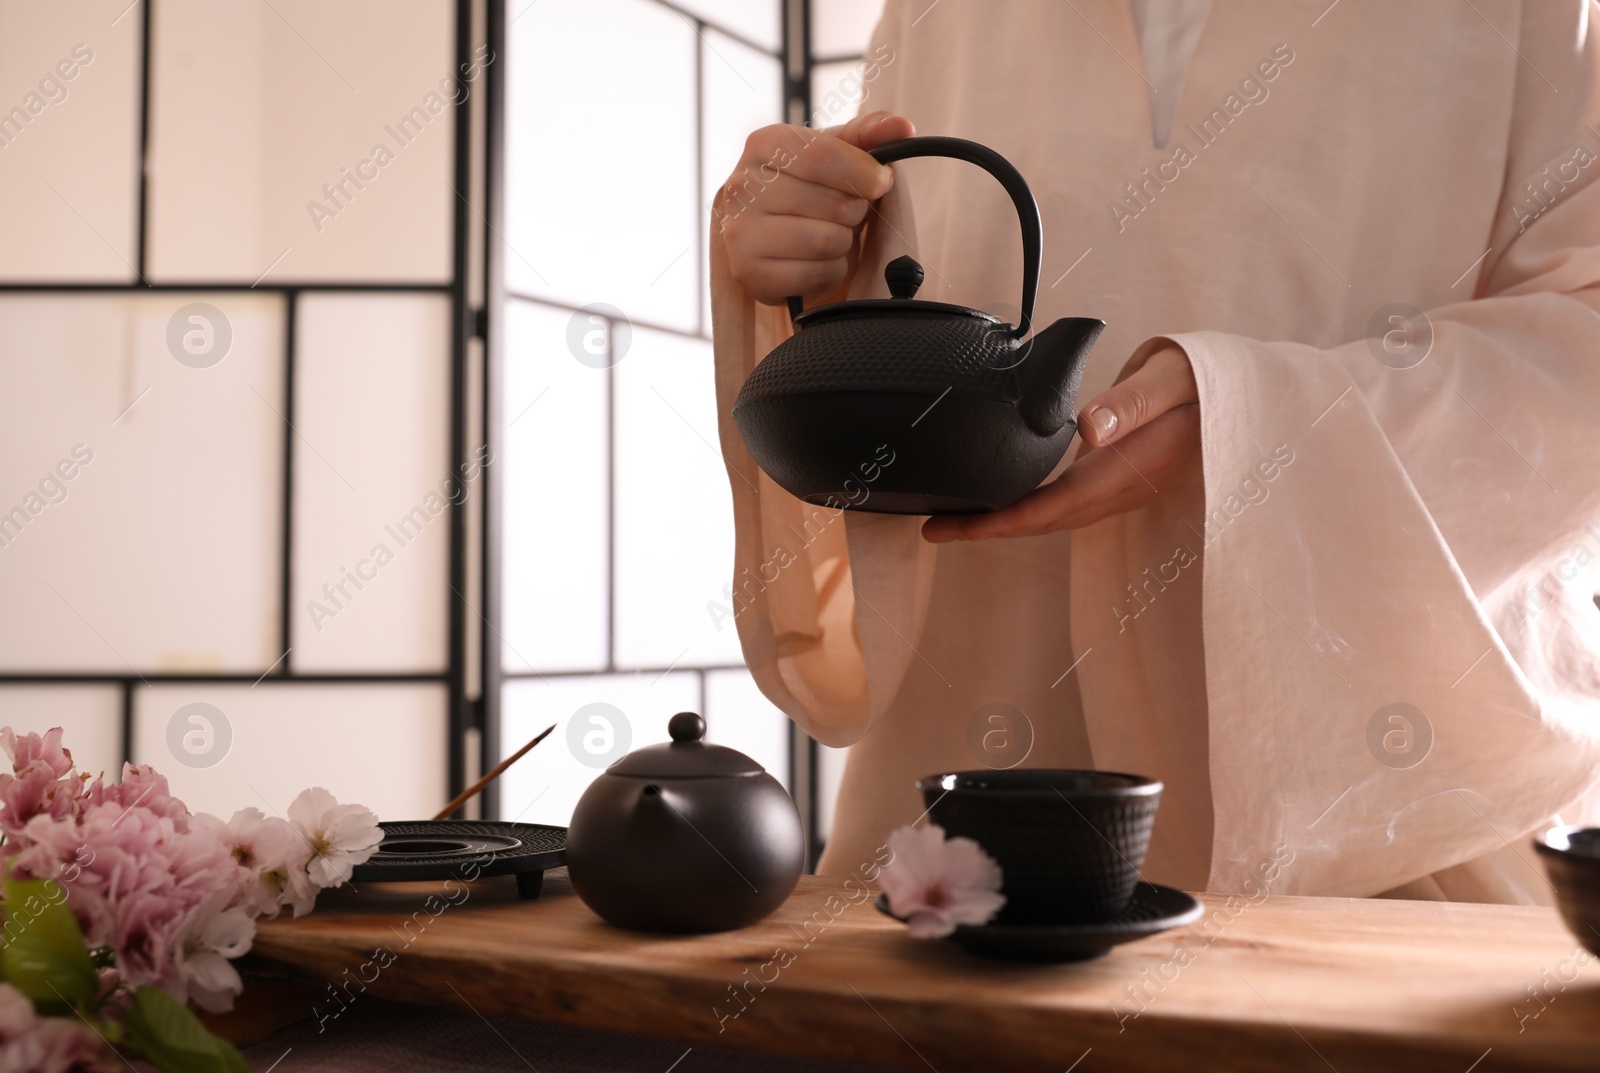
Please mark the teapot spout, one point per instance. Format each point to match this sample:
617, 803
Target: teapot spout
1052, 372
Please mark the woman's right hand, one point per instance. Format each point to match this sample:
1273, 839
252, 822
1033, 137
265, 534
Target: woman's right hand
791, 211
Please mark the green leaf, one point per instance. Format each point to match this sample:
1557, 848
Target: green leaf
44, 954
174, 1040
110, 1028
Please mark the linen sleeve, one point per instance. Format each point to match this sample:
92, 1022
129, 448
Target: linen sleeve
794, 595
1401, 645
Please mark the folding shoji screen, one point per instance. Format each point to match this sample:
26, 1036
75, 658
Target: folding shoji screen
220, 548
621, 119
234, 303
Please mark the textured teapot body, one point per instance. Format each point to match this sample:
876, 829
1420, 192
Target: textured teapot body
685, 853
914, 411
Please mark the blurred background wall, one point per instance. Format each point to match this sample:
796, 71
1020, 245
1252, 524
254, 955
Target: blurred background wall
356, 411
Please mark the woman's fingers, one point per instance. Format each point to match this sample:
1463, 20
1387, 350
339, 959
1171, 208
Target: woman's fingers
798, 238
1162, 382
835, 163
1112, 480
789, 196
789, 213
1139, 436
874, 129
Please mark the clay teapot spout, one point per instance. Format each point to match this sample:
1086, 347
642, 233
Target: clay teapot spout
1052, 371
655, 807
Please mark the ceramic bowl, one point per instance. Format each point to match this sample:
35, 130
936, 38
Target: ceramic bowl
1069, 843
1572, 859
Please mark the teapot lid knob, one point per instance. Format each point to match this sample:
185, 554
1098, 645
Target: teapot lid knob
904, 276
687, 756
686, 728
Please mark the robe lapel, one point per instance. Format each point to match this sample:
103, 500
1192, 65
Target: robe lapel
1168, 31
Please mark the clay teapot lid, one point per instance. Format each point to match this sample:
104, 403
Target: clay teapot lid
687, 756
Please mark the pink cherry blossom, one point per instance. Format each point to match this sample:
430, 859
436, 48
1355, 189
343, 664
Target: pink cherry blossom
34, 748
144, 940
261, 846
144, 787
935, 884
164, 898
131, 877
42, 780
337, 837
210, 936
33, 1044
16, 1020
71, 1047
289, 886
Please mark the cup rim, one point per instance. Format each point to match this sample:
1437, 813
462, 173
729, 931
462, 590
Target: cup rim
1132, 785
1557, 842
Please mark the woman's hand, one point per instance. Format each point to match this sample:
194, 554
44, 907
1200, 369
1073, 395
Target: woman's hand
790, 212
1139, 436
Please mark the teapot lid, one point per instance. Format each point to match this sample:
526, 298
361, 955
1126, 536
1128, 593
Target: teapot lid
904, 276
687, 756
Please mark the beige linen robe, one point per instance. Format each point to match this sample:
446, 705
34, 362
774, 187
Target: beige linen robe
1372, 527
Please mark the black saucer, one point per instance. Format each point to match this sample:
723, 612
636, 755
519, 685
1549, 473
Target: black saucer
465, 849
1154, 909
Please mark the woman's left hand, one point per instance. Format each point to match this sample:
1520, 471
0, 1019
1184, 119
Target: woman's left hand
1139, 436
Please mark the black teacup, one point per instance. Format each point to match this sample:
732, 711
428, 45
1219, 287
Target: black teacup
1069, 843
1572, 858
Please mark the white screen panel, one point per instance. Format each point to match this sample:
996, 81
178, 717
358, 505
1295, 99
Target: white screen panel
757, 21
373, 483
739, 716
743, 90
556, 511
69, 140
674, 530
90, 718
844, 27
382, 746
600, 158
598, 718
256, 108
141, 496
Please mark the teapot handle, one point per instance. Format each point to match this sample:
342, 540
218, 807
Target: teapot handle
1009, 177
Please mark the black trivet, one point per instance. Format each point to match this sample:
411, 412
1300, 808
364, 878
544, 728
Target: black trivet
466, 849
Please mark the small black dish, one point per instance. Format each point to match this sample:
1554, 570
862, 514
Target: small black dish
1154, 909
1572, 859
465, 850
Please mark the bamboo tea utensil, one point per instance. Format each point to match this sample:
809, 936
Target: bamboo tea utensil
494, 773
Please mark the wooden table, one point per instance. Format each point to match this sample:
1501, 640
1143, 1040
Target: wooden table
1282, 984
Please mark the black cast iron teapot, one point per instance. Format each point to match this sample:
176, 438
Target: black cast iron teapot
685, 837
900, 406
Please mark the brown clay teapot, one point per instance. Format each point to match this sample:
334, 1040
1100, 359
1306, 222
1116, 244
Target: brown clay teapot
685, 837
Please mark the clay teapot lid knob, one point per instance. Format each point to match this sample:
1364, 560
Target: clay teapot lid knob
686, 728
904, 276
687, 756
